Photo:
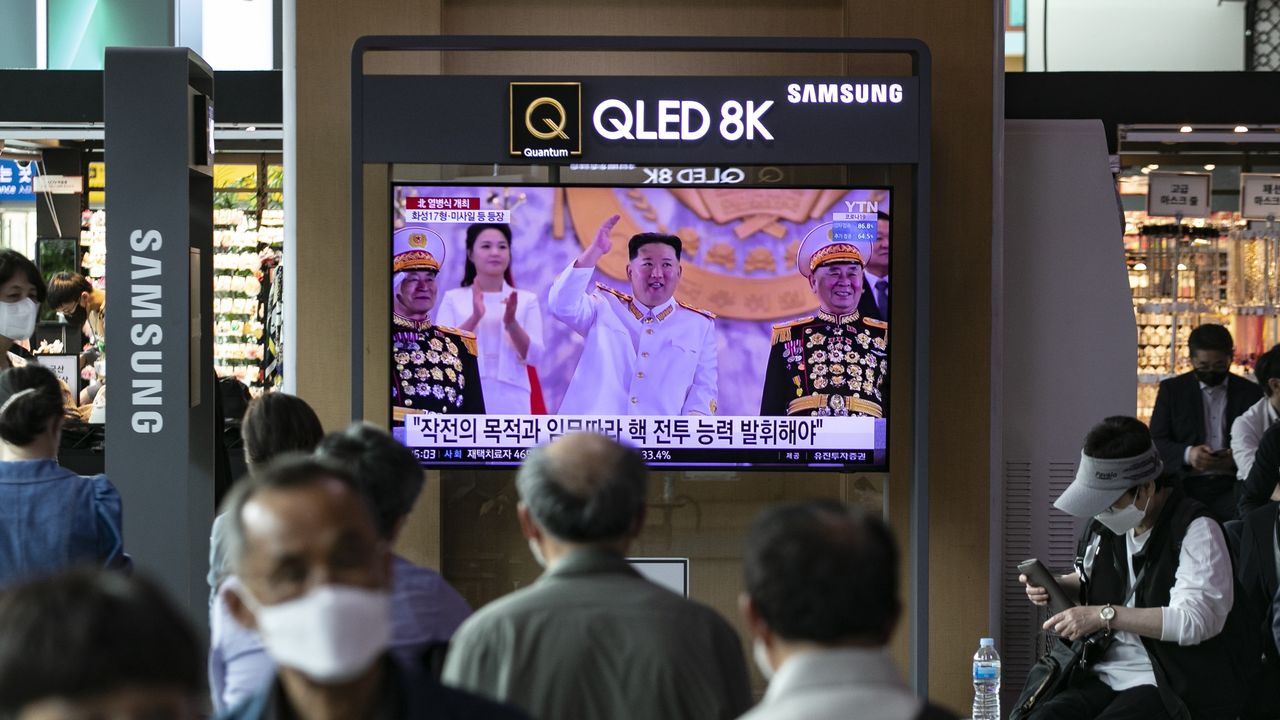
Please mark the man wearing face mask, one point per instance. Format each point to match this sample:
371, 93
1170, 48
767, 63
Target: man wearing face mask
1155, 580
21, 292
315, 579
1192, 419
821, 602
592, 638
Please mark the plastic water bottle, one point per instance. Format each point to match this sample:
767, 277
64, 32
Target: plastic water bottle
986, 681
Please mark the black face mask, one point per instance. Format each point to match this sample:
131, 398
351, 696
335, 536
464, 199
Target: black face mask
1212, 378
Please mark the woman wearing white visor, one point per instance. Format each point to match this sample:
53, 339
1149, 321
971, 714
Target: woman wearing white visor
1154, 581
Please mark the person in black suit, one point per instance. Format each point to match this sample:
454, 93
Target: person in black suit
1192, 419
1256, 570
874, 302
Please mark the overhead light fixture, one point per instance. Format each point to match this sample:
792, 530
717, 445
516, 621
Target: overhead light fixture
251, 128
1146, 171
1210, 166
1153, 166
1185, 128
1140, 266
1242, 129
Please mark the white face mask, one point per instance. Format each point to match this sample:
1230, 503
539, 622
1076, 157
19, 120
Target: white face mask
536, 550
18, 319
1125, 519
760, 654
331, 634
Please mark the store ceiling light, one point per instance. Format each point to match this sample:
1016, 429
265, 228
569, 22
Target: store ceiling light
1210, 166
251, 128
1185, 128
1242, 129
1140, 266
1146, 171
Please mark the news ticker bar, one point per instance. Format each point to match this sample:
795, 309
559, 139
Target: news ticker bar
650, 433
791, 459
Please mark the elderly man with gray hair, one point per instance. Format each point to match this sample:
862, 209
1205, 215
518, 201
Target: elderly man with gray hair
592, 638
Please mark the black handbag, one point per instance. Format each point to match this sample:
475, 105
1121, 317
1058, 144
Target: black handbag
1052, 672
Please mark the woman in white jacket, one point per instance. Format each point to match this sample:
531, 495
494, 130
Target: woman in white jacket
507, 322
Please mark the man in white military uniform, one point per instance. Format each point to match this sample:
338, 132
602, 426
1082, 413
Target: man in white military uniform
645, 353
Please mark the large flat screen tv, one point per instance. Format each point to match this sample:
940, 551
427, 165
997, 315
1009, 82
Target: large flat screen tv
764, 344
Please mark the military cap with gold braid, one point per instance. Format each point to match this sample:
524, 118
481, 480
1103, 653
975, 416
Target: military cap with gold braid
818, 248
417, 248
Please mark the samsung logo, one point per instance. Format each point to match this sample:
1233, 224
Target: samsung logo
845, 93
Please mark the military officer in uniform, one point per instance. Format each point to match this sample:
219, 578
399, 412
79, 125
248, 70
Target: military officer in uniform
645, 353
836, 362
434, 368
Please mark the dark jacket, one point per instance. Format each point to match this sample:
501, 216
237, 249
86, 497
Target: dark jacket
411, 689
1264, 474
1208, 680
1177, 421
1256, 568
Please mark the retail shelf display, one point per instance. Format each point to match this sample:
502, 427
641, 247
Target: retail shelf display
1188, 274
240, 243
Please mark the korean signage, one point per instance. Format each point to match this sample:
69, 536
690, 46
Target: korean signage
1178, 194
657, 121
15, 181
59, 184
1259, 196
504, 439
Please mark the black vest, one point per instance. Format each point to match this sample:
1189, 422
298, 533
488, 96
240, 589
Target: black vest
1211, 678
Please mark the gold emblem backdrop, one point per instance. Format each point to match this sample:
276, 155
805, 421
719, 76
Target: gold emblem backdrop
738, 262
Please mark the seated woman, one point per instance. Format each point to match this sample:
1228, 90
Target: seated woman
507, 322
1157, 595
50, 517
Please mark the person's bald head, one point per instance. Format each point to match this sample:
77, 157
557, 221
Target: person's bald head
584, 488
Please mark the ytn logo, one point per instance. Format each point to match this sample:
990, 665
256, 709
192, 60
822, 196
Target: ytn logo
546, 119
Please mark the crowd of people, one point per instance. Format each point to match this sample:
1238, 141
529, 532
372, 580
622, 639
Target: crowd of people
1175, 572
313, 616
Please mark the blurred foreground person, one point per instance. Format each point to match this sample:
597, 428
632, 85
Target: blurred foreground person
425, 610
315, 580
592, 638
90, 645
821, 601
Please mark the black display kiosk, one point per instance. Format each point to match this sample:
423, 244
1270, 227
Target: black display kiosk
160, 411
469, 120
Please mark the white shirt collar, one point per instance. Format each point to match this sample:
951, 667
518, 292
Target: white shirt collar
842, 666
661, 312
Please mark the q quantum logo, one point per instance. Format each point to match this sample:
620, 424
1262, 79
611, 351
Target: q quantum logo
546, 119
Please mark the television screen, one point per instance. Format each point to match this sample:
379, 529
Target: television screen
706, 326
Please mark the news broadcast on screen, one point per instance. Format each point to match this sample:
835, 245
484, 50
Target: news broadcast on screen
705, 326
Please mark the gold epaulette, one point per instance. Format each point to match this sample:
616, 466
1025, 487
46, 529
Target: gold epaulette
878, 324
705, 313
782, 331
616, 293
468, 338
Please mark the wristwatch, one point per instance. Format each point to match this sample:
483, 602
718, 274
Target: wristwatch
1107, 613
